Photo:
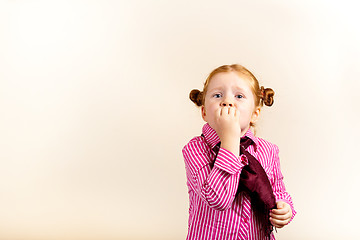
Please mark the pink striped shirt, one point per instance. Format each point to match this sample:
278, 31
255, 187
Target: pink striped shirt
214, 212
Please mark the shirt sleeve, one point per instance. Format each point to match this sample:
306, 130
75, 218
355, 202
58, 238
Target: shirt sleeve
215, 185
278, 185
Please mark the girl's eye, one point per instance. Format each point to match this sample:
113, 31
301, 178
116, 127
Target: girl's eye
217, 95
239, 96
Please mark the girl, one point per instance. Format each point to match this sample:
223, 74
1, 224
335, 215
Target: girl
236, 188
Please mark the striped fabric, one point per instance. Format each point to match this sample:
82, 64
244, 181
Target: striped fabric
214, 212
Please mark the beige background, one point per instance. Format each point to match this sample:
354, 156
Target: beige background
95, 111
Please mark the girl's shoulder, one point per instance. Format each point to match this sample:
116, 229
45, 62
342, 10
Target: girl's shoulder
197, 154
197, 142
197, 139
265, 145
267, 154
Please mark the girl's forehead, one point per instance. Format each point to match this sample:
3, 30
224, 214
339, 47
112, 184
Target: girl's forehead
229, 79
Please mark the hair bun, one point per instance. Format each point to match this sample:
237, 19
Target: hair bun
267, 96
196, 97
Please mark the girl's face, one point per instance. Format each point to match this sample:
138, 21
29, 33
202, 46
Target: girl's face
230, 89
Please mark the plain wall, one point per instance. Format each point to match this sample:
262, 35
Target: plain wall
95, 111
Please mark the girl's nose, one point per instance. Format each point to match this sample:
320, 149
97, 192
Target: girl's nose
227, 104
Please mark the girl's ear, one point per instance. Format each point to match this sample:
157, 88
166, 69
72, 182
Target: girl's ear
255, 115
203, 112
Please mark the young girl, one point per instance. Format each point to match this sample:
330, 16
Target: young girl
236, 188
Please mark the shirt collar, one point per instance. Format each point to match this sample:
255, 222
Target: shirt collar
212, 138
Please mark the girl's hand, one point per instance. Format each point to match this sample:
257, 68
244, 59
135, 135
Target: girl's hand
282, 215
227, 126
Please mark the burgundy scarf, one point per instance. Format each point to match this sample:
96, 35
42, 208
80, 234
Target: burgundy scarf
254, 181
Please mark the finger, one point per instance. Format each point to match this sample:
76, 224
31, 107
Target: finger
280, 211
228, 110
286, 216
221, 110
232, 111
218, 112
224, 111
280, 204
278, 223
237, 113
282, 208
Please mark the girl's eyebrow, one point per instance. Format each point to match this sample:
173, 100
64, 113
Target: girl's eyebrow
236, 88
242, 90
216, 89
239, 88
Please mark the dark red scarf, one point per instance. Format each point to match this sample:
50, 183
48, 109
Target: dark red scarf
254, 181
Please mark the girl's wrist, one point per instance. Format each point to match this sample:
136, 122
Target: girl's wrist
230, 139
232, 146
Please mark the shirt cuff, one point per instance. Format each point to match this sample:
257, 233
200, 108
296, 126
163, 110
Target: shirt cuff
229, 162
